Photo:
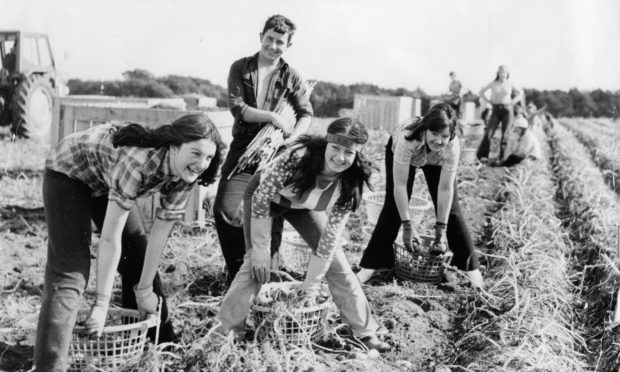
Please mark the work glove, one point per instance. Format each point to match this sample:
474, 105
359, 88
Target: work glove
440, 245
317, 267
411, 239
96, 319
260, 257
146, 299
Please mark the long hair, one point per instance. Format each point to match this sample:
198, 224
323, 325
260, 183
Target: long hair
187, 128
497, 73
312, 163
440, 117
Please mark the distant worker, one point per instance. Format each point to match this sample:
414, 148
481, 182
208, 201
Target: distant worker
502, 102
523, 144
534, 115
455, 94
485, 112
9, 61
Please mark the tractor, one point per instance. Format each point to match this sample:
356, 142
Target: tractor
28, 83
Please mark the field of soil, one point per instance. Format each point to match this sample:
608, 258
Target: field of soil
546, 232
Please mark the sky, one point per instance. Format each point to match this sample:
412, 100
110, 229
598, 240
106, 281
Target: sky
547, 44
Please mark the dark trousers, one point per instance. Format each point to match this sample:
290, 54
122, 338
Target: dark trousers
500, 114
511, 160
228, 216
69, 209
379, 253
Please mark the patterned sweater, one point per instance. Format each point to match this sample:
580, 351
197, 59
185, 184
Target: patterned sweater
275, 187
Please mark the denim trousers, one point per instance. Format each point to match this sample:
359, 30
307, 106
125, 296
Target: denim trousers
228, 216
343, 284
69, 209
500, 114
379, 253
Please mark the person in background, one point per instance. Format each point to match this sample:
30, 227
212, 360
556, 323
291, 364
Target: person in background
258, 86
548, 120
455, 93
97, 174
522, 145
428, 143
9, 62
504, 95
485, 112
534, 115
314, 175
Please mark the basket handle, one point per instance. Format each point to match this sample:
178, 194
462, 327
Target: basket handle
157, 319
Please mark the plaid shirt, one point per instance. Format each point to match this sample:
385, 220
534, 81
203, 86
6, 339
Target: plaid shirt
414, 152
123, 173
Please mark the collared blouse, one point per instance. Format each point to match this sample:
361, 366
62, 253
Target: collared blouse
415, 152
124, 173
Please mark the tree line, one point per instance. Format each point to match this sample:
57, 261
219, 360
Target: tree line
328, 98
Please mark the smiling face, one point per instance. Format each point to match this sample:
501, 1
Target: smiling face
437, 141
502, 73
339, 158
190, 159
273, 44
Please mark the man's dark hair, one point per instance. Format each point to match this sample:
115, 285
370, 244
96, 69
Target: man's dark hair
280, 24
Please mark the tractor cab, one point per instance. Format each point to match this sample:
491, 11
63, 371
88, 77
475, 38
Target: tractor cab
28, 83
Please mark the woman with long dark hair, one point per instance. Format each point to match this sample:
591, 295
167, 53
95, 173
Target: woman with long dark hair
502, 112
428, 143
314, 175
97, 174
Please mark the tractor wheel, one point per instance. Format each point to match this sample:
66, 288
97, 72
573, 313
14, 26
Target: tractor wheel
32, 108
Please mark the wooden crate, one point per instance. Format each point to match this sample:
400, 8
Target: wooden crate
71, 117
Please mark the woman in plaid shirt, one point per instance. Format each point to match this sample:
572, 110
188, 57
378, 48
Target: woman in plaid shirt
315, 175
98, 174
429, 143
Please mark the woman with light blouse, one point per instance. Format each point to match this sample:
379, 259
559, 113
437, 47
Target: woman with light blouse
504, 95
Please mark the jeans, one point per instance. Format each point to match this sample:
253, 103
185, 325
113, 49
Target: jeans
343, 284
500, 114
379, 253
228, 214
69, 209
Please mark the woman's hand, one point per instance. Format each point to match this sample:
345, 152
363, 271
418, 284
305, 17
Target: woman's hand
146, 299
96, 319
411, 239
440, 245
260, 261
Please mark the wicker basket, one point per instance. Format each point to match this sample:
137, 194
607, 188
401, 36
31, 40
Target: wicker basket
418, 207
122, 340
468, 157
295, 325
294, 252
419, 266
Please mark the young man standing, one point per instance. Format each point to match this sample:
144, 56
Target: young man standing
258, 87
